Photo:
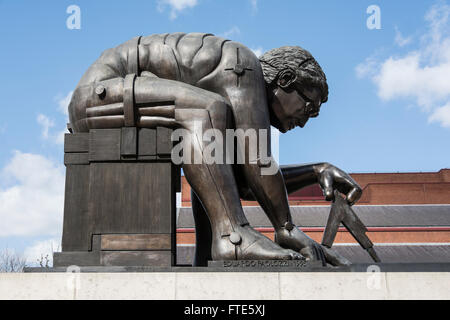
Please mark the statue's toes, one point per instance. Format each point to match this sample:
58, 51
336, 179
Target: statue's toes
307, 253
264, 249
295, 255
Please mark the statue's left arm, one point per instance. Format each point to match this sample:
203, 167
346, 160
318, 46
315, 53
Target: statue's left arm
328, 176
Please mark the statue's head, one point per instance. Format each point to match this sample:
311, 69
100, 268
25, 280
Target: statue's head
296, 86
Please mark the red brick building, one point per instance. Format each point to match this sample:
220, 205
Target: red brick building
407, 215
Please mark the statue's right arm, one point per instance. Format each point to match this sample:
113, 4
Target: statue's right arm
100, 104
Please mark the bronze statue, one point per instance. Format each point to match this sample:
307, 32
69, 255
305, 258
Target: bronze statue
174, 80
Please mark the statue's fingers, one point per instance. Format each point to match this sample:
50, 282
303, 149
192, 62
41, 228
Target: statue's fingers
326, 182
114, 109
345, 181
316, 253
354, 195
349, 187
321, 255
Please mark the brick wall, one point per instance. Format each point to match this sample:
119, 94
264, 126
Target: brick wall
379, 188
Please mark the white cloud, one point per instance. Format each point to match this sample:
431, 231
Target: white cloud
400, 40
46, 123
40, 251
258, 51
421, 74
33, 202
63, 103
58, 138
367, 68
406, 77
442, 115
176, 6
231, 32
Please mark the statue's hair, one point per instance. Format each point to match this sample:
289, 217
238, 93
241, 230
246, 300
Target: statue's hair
299, 60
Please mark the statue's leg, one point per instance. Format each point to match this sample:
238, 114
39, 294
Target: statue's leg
232, 237
215, 186
203, 233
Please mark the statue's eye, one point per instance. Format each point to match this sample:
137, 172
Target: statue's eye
304, 97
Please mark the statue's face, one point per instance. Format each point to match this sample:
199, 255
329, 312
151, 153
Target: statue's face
294, 105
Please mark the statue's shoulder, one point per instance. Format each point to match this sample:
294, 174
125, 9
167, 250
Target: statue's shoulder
237, 61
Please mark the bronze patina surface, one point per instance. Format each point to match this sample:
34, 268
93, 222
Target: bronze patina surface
176, 80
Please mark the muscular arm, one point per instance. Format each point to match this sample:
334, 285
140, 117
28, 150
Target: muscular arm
299, 176
328, 176
295, 178
102, 104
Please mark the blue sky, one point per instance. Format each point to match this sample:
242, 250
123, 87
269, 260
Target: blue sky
388, 109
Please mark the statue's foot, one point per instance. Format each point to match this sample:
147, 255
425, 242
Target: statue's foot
245, 243
294, 239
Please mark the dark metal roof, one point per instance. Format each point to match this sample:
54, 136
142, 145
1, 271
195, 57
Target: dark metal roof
398, 254
371, 216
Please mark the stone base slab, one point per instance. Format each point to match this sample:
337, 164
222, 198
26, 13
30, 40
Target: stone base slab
226, 285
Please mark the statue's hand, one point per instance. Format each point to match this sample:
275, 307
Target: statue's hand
332, 178
298, 241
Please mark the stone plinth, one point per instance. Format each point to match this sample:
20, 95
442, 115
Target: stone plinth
120, 206
226, 285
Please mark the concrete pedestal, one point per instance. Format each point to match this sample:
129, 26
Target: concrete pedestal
226, 285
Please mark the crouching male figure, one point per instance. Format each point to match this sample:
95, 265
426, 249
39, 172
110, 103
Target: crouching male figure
179, 80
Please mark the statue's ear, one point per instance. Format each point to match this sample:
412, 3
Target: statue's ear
286, 77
